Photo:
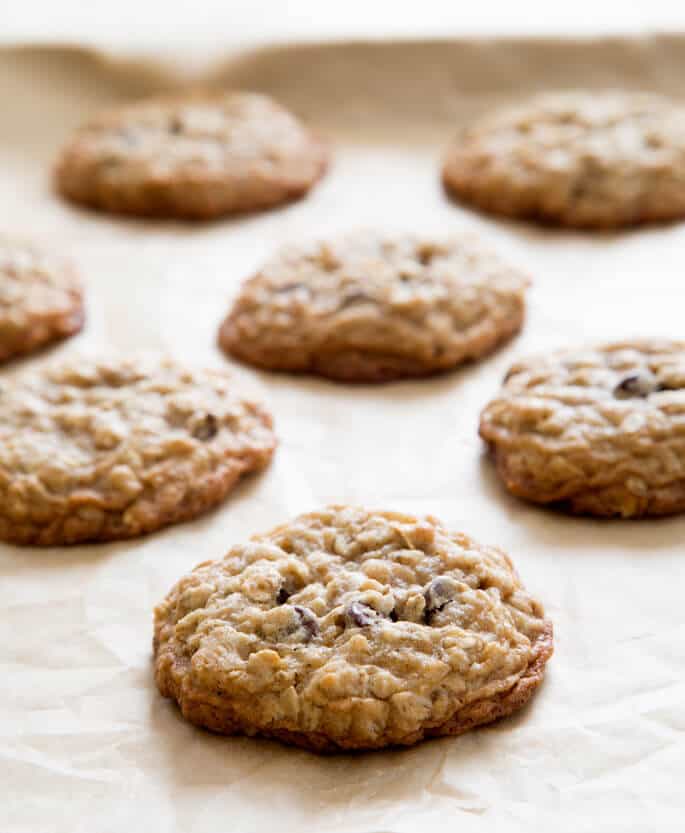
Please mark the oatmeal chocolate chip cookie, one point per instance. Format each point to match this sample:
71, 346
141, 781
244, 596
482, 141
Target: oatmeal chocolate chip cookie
351, 629
193, 156
371, 308
99, 450
41, 299
584, 159
598, 431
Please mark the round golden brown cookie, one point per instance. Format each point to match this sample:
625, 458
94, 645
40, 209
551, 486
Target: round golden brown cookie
351, 629
599, 431
96, 450
41, 300
370, 308
584, 159
193, 156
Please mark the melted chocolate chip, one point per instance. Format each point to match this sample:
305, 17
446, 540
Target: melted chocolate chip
360, 614
282, 596
206, 428
439, 593
393, 615
308, 621
636, 386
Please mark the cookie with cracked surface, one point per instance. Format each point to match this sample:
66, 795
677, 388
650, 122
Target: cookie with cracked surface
599, 431
41, 299
103, 449
351, 629
371, 308
582, 159
193, 156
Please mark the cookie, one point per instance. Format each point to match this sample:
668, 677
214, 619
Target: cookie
351, 629
41, 299
599, 431
193, 156
583, 159
370, 308
97, 450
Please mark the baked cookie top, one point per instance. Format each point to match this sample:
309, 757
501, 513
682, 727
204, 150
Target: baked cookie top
601, 430
196, 155
103, 449
372, 307
348, 628
586, 159
41, 299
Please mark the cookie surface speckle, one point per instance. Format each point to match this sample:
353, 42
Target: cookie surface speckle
97, 450
194, 156
599, 431
351, 629
41, 299
372, 307
586, 159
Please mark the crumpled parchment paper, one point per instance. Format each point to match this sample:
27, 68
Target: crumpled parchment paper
88, 746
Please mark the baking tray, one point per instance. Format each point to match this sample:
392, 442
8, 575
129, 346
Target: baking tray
88, 744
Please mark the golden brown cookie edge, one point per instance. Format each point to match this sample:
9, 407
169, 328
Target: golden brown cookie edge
364, 367
211, 492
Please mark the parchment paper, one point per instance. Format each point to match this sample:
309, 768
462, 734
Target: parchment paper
88, 746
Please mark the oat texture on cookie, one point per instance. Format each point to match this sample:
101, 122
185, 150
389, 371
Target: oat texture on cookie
351, 629
593, 159
598, 431
41, 299
101, 449
191, 156
370, 307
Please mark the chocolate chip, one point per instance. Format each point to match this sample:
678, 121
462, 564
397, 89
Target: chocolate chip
393, 615
361, 615
308, 621
206, 427
637, 385
282, 596
439, 593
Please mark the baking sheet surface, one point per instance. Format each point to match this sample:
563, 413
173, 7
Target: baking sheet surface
88, 746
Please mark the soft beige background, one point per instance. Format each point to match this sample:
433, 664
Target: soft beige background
87, 744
